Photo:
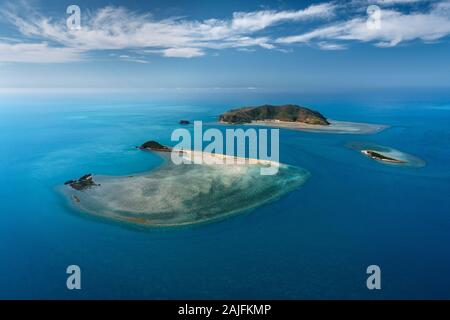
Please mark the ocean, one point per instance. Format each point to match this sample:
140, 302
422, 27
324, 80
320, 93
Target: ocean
315, 242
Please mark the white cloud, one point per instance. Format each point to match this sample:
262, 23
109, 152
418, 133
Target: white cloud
183, 52
128, 58
331, 46
37, 53
116, 28
246, 50
259, 20
396, 27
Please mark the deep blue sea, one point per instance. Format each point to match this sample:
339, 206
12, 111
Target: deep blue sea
315, 242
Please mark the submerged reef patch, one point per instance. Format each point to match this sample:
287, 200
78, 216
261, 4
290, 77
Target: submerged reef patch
386, 155
185, 194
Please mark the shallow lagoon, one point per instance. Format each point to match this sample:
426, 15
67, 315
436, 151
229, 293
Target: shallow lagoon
185, 194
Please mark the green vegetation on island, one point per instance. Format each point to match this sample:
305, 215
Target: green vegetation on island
285, 113
154, 146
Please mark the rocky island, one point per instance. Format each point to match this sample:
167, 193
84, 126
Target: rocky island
154, 146
380, 157
284, 113
295, 117
82, 183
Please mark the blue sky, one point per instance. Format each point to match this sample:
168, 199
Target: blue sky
225, 45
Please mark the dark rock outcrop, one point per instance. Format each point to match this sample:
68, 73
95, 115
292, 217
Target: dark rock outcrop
82, 183
288, 113
381, 157
154, 146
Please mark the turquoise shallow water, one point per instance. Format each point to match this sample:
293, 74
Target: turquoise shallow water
175, 195
315, 242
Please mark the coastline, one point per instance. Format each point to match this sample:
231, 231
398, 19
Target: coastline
340, 127
227, 159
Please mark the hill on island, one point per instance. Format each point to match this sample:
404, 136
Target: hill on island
288, 113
